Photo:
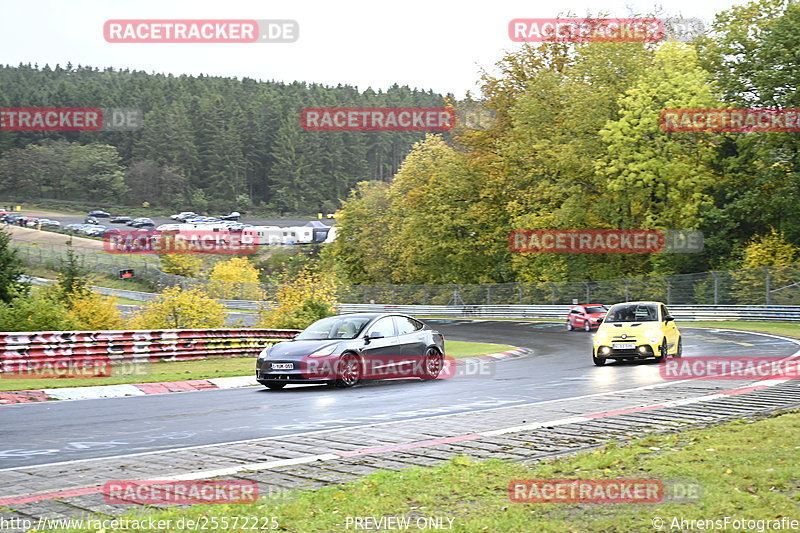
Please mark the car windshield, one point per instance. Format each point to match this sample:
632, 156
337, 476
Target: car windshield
335, 327
632, 313
596, 309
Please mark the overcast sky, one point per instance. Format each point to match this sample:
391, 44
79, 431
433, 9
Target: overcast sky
432, 44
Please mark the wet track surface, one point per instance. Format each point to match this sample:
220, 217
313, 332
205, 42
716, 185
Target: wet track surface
560, 367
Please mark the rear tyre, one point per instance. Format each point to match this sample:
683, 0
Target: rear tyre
662, 352
598, 361
569, 326
432, 364
348, 370
275, 386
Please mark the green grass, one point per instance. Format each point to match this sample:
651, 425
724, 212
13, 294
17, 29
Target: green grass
791, 329
746, 469
217, 367
147, 373
458, 349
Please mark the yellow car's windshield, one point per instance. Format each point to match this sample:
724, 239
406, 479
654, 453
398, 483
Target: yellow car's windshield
632, 313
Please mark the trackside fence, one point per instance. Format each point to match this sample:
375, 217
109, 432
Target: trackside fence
19, 350
765, 286
559, 312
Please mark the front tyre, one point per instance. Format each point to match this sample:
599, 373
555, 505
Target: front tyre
432, 364
598, 361
680, 347
349, 371
587, 326
662, 352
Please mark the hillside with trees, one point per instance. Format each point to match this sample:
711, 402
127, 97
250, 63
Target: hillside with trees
576, 144
205, 141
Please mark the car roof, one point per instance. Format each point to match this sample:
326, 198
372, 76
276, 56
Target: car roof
372, 315
641, 303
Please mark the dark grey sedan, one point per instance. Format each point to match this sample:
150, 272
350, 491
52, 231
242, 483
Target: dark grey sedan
346, 349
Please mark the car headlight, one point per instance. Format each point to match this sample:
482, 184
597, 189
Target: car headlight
322, 352
264, 354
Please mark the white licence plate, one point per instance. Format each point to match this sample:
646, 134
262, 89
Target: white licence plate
281, 366
624, 346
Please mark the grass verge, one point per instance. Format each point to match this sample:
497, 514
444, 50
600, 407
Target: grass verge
745, 469
790, 329
219, 367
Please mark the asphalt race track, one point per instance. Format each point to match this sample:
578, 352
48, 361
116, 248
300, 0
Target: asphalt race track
560, 367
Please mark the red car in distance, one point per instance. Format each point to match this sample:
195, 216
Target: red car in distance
586, 316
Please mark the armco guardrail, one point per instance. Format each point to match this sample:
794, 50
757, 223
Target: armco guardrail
559, 312
19, 350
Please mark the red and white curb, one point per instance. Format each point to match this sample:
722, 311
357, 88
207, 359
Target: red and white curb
142, 389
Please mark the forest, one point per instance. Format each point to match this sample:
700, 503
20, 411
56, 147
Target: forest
206, 142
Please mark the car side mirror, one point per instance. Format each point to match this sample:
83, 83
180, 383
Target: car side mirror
600, 320
668, 318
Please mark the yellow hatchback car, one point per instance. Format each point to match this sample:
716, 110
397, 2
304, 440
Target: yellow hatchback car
635, 331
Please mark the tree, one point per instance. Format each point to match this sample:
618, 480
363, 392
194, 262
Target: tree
300, 303
10, 271
36, 312
93, 311
72, 280
236, 278
176, 308
187, 265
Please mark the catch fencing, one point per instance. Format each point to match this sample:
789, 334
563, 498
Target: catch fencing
559, 312
774, 285
18, 351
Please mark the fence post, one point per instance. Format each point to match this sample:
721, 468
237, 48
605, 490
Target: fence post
767, 285
669, 290
716, 287
488, 295
627, 290
519, 290
588, 300
552, 292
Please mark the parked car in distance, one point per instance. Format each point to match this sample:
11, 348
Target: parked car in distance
99, 213
233, 215
49, 223
586, 317
183, 216
31, 222
120, 220
140, 222
91, 220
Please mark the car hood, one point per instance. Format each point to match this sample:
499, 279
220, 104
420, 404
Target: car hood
298, 349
